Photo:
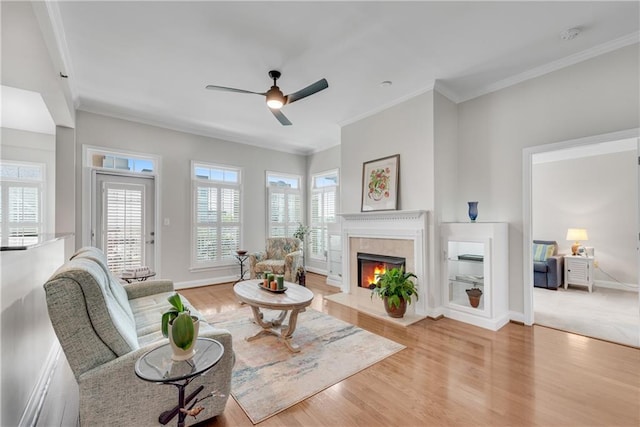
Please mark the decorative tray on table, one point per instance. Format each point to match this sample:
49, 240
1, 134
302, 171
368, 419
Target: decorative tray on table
277, 291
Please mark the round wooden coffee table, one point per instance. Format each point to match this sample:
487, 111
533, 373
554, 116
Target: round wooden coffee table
294, 300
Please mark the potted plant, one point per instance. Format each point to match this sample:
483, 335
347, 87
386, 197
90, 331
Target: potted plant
181, 328
474, 295
396, 289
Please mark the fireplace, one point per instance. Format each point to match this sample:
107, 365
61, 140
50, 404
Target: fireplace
397, 234
371, 265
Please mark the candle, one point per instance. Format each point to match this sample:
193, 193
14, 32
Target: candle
280, 280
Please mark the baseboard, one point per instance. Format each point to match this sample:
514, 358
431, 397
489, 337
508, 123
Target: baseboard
334, 282
317, 270
629, 287
39, 393
516, 317
204, 282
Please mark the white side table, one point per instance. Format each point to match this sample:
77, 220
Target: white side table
578, 270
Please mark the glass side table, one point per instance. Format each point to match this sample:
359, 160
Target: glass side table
156, 366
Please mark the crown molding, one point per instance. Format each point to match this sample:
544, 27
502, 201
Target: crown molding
131, 116
388, 105
554, 65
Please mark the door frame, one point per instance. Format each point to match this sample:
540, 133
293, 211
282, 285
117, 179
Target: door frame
527, 240
88, 190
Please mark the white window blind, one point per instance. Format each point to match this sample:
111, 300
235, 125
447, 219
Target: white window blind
324, 195
284, 211
123, 225
21, 202
217, 208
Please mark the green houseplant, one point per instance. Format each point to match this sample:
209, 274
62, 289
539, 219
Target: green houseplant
181, 328
396, 289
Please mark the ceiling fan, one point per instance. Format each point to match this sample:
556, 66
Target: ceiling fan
275, 98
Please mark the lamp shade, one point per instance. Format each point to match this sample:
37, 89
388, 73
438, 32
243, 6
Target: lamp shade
577, 234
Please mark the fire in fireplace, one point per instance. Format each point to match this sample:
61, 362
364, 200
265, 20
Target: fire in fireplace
371, 265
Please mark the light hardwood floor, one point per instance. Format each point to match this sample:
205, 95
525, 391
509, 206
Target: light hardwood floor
452, 373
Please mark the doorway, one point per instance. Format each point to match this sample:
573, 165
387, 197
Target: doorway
123, 223
563, 208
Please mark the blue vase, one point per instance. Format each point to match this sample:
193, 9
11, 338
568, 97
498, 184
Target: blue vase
473, 211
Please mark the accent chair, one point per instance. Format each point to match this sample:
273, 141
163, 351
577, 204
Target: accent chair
282, 255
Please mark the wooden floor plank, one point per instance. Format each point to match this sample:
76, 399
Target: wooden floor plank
456, 374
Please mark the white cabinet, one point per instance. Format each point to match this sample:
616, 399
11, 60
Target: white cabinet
334, 255
578, 270
476, 257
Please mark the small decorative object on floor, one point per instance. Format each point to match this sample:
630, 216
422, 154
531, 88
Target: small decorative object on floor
396, 289
474, 295
473, 211
181, 328
301, 277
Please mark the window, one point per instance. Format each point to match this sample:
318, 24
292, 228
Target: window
21, 202
99, 158
324, 197
284, 199
216, 206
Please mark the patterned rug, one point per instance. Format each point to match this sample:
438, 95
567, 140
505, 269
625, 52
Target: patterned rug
268, 378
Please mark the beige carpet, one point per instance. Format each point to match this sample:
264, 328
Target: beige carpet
268, 378
607, 314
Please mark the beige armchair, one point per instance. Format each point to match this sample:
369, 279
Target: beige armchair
282, 255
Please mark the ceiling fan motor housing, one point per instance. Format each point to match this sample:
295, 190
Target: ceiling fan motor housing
275, 97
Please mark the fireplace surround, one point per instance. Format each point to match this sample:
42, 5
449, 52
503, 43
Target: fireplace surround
401, 234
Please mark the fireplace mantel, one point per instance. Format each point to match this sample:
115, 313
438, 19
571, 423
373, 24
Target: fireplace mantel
384, 216
406, 229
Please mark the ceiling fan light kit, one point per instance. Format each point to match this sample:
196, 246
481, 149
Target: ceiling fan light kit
274, 96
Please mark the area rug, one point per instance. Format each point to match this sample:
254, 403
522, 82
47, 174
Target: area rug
268, 378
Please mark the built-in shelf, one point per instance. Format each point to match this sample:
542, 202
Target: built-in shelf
476, 256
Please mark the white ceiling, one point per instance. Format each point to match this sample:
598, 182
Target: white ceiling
151, 61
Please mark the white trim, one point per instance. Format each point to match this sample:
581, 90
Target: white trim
516, 317
88, 187
527, 159
39, 393
388, 105
402, 225
559, 64
204, 282
629, 287
316, 270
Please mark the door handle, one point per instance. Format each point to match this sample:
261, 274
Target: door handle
150, 241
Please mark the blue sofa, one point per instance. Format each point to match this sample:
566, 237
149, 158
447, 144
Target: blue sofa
549, 273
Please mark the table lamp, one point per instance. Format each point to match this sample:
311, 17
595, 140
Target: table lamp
576, 235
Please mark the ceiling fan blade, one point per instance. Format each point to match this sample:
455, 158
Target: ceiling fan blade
281, 117
231, 89
309, 90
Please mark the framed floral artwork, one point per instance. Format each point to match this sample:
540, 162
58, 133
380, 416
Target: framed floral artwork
380, 184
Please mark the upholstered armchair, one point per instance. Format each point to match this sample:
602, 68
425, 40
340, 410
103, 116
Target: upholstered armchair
104, 327
548, 265
282, 255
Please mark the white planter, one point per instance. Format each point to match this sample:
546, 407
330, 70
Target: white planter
178, 353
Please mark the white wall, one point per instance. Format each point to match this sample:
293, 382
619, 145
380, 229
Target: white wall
27, 334
598, 193
594, 97
405, 129
34, 147
176, 150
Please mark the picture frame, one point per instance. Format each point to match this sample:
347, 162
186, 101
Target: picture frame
380, 184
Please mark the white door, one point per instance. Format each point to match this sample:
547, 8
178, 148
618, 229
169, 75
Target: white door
124, 226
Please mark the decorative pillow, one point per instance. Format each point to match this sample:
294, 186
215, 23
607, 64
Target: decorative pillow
542, 252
